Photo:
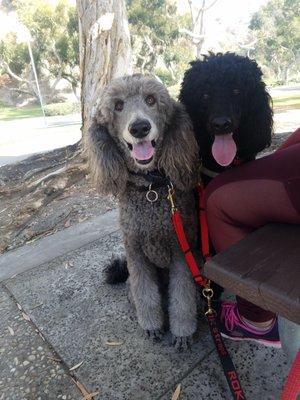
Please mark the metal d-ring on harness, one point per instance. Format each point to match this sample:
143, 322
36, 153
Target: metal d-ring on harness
227, 364
151, 195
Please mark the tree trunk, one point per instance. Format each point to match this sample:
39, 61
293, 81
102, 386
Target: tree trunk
105, 53
197, 35
105, 50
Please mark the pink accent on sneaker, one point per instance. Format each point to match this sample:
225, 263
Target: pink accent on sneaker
233, 327
231, 317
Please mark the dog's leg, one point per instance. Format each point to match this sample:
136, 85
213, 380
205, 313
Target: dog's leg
146, 295
182, 304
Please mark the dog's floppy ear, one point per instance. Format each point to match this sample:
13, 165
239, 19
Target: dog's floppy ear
106, 163
179, 158
257, 123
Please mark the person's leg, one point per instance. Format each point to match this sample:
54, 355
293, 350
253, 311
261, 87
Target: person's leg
241, 200
236, 209
294, 138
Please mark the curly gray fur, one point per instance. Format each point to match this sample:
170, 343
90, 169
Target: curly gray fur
150, 241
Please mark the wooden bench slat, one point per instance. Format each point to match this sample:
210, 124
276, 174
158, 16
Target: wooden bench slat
263, 268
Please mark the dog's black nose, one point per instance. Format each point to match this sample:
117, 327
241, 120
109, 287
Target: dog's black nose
140, 128
222, 124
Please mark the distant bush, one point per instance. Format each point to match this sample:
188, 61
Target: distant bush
174, 91
61, 108
165, 76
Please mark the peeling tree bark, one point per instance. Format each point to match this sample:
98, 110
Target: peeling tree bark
105, 50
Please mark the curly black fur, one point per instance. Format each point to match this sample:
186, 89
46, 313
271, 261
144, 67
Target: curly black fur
116, 270
231, 86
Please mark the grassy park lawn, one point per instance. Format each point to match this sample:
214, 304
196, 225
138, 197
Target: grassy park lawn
8, 112
285, 102
281, 103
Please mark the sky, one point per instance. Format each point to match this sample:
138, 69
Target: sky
232, 14
225, 14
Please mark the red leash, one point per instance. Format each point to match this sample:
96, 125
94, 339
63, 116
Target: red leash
291, 389
203, 224
185, 247
227, 364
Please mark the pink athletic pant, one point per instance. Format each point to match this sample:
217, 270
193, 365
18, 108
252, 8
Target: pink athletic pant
247, 197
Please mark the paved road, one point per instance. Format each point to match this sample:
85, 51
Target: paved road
277, 90
21, 138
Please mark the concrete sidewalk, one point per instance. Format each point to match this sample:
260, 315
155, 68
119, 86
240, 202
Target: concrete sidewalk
57, 313
23, 137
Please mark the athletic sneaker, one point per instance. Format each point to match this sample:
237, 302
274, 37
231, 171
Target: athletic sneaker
233, 327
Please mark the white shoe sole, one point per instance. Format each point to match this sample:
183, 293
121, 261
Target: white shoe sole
267, 343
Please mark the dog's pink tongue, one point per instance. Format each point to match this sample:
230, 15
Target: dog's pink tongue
143, 150
224, 149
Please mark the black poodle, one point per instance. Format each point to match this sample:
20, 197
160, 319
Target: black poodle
230, 108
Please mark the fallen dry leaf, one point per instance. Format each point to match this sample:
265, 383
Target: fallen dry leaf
11, 331
86, 394
37, 204
91, 396
36, 306
111, 343
54, 359
76, 366
67, 224
32, 240
177, 392
69, 264
25, 316
42, 337
3, 248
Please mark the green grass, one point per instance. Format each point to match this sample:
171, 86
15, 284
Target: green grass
285, 102
8, 113
281, 103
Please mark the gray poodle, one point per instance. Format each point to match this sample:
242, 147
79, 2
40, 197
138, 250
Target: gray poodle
140, 142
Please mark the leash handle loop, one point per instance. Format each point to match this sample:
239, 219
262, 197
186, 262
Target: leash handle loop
230, 373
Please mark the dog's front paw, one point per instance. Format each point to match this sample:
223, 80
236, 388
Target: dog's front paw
155, 334
182, 343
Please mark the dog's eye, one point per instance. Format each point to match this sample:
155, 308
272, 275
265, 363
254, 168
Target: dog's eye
119, 105
205, 96
236, 92
150, 100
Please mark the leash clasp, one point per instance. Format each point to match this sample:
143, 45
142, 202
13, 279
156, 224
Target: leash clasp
170, 197
208, 294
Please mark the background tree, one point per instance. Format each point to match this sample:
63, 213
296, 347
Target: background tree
105, 51
54, 32
196, 30
276, 28
158, 47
